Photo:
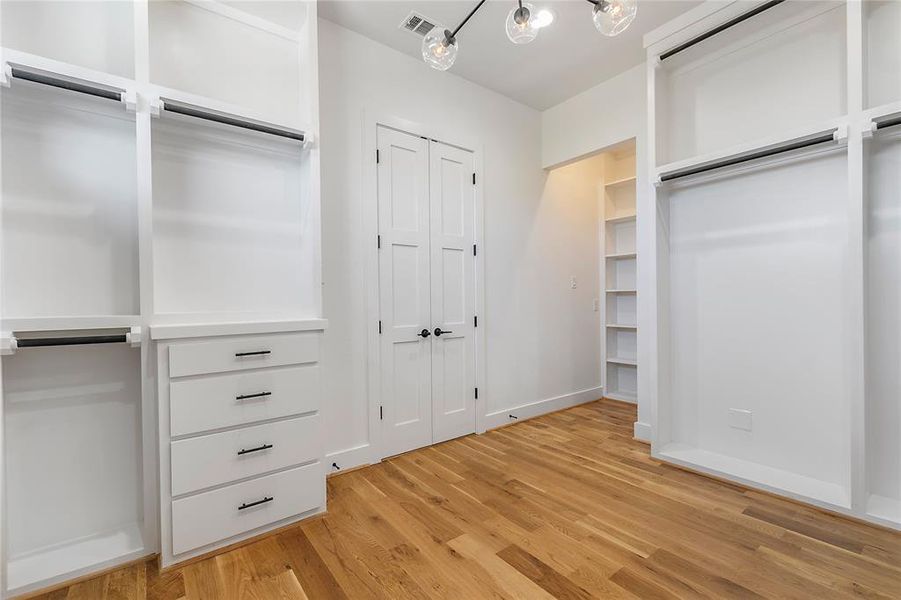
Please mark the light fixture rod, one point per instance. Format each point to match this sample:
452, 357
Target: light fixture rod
472, 12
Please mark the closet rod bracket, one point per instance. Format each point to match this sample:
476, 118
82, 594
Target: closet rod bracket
8, 345
841, 133
6, 75
134, 337
130, 100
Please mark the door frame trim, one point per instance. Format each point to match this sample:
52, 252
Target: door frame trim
371, 120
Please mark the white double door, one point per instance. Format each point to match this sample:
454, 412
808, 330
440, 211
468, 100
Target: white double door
426, 204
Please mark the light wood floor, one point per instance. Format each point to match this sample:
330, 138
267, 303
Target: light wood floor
563, 506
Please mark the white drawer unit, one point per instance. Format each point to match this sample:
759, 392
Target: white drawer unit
210, 460
241, 448
218, 401
203, 519
242, 352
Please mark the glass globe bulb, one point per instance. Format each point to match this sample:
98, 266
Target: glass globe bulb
520, 24
437, 51
612, 17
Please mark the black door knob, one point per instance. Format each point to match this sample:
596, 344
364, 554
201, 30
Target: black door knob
438, 332
424, 333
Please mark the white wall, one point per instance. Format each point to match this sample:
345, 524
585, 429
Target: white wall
609, 113
540, 343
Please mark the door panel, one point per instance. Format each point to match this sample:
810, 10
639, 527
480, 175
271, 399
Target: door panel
404, 291
452, 198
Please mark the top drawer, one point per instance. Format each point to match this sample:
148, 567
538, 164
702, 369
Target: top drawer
244, 352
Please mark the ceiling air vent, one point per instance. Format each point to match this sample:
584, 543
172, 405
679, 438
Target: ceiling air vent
417, 24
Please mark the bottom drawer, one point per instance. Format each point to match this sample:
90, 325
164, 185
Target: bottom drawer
213, 516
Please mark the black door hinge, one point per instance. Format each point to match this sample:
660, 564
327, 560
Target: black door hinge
378, 241
475, 251
377, 156
381, 414
473, 179
380, 327
475, 321
477, 393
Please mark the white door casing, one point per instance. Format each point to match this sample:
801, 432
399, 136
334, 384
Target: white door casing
404, 291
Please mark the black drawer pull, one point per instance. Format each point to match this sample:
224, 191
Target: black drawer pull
257, 449
254, 353
249, 396
257, 503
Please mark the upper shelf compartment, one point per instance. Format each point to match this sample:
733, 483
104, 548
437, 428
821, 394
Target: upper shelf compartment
782, 69
96, 35
69, 198
883, 52
193, 48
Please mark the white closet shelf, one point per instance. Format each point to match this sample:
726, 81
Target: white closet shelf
621, 255
174, 331
60, 563
620, 182
631, 362
622, 291
622, 396
621, 326
33, 63
826, 494
69, 323
740, 153
623, 219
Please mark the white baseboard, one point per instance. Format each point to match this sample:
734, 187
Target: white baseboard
541, 407
347, 458
642, 431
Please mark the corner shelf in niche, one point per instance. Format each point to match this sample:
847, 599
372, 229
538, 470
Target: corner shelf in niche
620, 182
629, 362
623, 219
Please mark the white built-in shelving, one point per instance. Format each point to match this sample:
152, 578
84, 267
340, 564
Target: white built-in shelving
766, 176
120, 215
620, 278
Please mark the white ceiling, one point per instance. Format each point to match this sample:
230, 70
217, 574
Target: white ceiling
568, 57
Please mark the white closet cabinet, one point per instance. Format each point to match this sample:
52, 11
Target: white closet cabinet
160, 308
776, 157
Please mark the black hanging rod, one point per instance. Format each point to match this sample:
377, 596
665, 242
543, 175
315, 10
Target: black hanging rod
58, 81
198, 112
720, 28
889, 121
737, 159
70, 341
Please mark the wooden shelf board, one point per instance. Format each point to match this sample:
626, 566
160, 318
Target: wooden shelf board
631, 362
58, 563
172, 331
619, 182
70, 323
615, 220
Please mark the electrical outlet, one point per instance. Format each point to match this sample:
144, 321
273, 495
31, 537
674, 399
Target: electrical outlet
740, 418
572, 283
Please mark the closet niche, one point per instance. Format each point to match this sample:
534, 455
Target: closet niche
160, 274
